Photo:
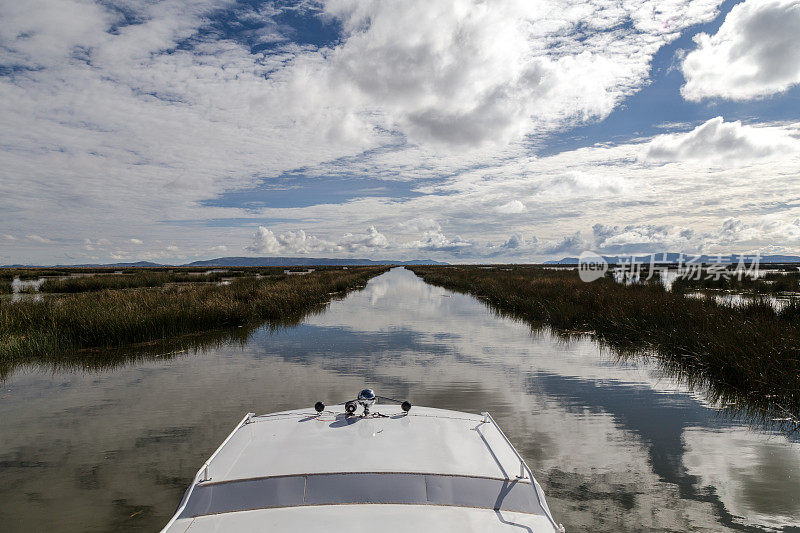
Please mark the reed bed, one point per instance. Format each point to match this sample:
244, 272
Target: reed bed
91, 283
5, 287
137, 279
35, 273
752, 349
47, 330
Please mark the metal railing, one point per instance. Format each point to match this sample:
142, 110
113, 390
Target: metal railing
204, 470
523, 469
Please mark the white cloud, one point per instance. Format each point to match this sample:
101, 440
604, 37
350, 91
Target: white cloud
466, 73
44, 33
761, 232
732, 235
294, 242
9, 237
96, 244
419, 225
754, 53
512, 207
436, 241
373, 239
125, 126
39, 239
567, 244
514, 242
534, 248
717, 140
138, 242
571, 191
265, 241
645, 238
583, 182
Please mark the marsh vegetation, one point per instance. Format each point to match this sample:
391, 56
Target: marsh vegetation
100, 314
750, 350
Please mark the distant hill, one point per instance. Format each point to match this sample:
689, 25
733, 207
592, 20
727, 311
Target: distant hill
301, 261
672, 257
247, 262
138, 264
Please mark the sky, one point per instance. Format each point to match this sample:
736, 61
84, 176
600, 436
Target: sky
455, 130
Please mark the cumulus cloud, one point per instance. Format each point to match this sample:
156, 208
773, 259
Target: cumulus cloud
136, 241
436, 241
766, 235
567, 244
138, 120
763, 232
717, 140
731, 235
754, 53
465, 73
535, 248
514, 242
512, 207
9, 237
372, 239
568, 192
265, 241
644, 238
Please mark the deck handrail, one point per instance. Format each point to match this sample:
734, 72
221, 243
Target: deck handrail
523, 468
204, 470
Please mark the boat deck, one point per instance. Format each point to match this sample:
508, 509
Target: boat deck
301, 469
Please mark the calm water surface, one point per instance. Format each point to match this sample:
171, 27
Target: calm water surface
617, 447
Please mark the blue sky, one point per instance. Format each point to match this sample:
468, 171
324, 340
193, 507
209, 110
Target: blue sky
459, 130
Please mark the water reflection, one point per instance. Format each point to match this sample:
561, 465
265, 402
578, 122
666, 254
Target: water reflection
618, 445
25, 290
778, 302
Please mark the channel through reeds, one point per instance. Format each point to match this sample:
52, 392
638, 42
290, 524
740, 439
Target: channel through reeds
749, 350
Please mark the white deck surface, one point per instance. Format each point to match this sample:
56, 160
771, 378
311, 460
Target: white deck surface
368, 519
431, 441
425, 441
